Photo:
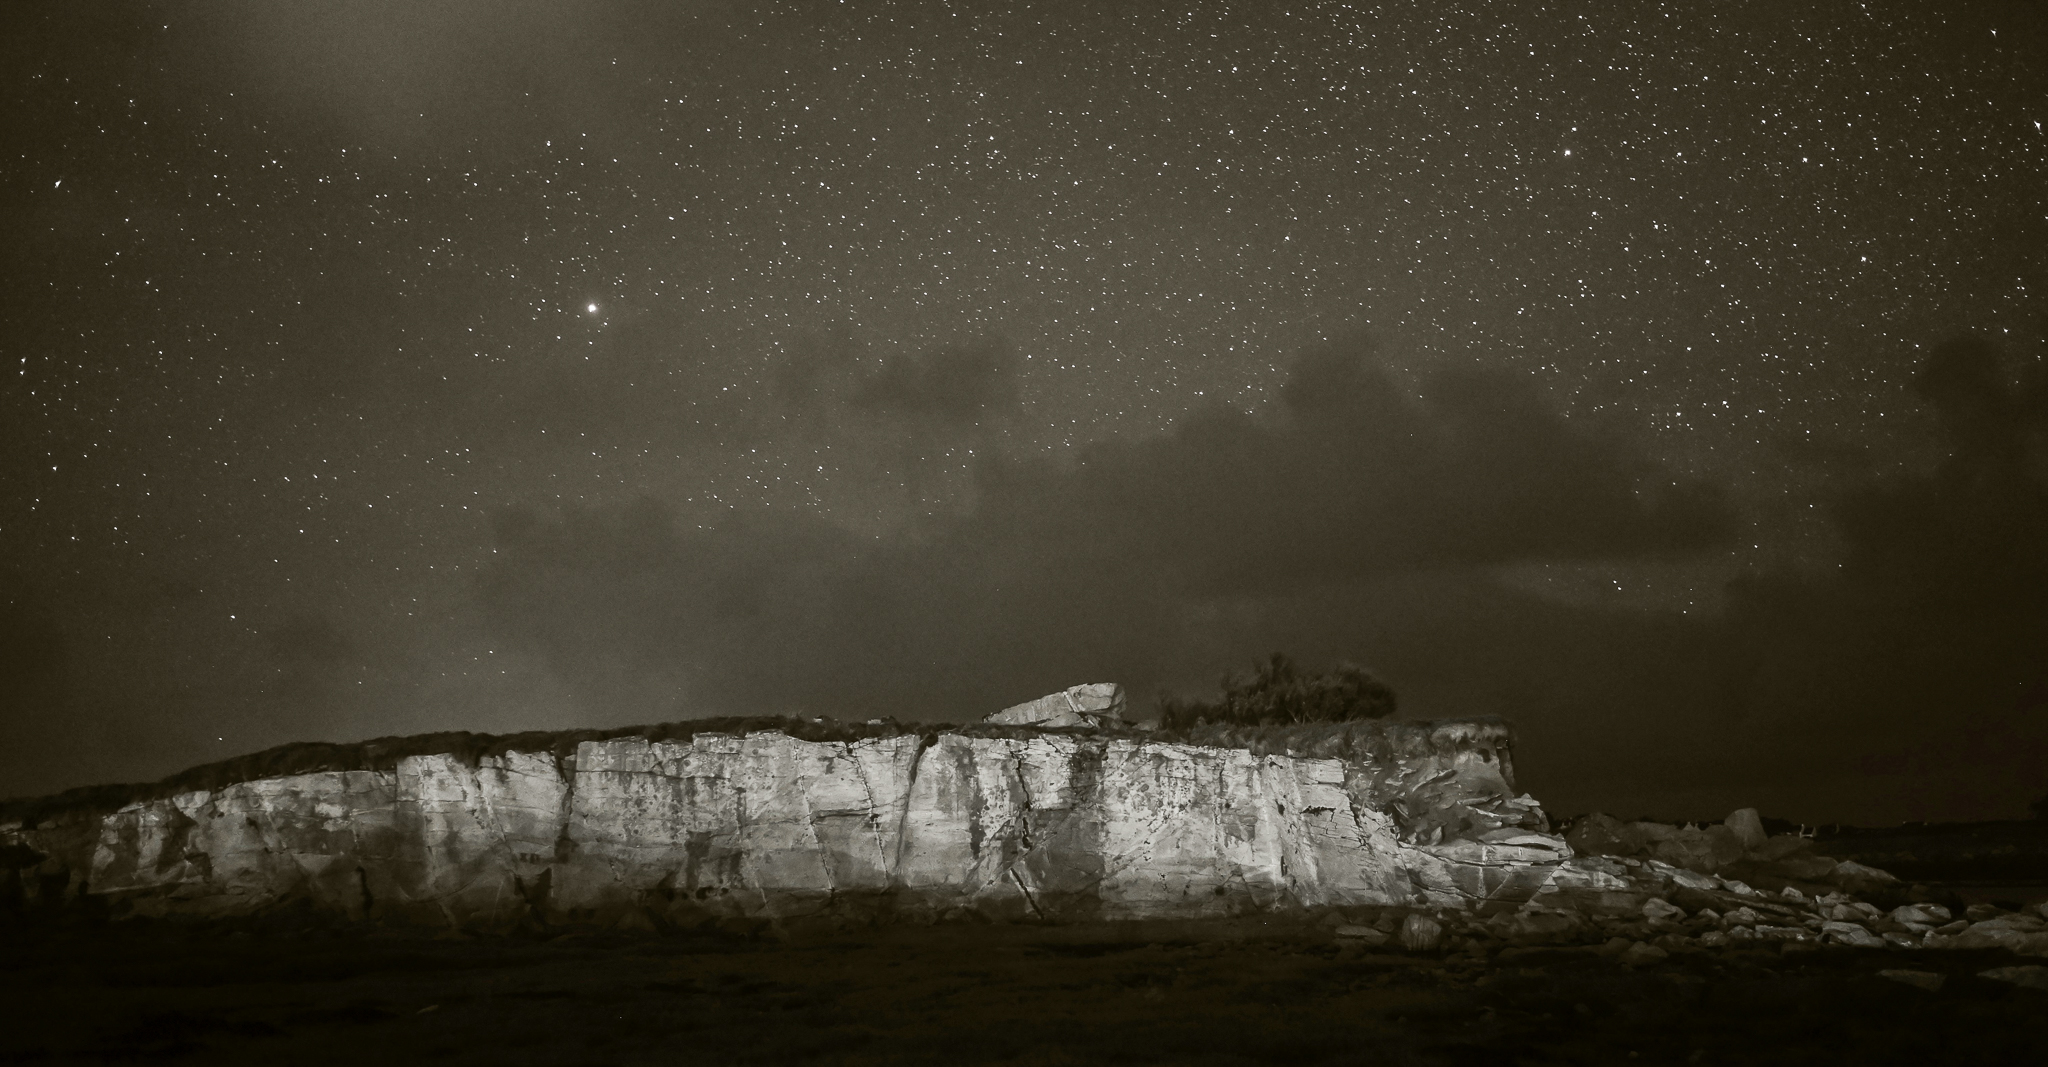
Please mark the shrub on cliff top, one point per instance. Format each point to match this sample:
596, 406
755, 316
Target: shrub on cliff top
1278, 692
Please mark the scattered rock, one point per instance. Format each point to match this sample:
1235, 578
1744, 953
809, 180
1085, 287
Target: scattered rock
1924, 914
1655, 909
1927, 980
1783, 933
1420, 933
1985, 935
1365, 934
1953, 928
1852, 934
1977, 913
2031, 976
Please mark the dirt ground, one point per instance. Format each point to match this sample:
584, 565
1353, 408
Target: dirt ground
1240, 992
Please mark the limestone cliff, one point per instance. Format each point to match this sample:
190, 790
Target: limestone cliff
787, 818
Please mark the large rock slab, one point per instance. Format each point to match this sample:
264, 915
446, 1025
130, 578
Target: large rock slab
1096, 704
1006, 821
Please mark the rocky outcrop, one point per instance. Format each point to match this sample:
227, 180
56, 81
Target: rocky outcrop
1736, 848
794, 818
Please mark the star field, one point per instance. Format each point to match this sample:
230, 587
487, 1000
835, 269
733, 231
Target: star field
301, 302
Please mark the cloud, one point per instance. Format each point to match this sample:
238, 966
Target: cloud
414, 76
1141, 562
1352, 520
949, 387
1350, 477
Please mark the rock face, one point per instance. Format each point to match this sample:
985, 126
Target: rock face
1004, 821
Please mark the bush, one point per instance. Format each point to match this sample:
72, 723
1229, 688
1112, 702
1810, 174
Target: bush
1278, 693
2040, 809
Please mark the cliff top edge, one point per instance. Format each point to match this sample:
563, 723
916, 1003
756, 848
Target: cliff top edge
1356, 739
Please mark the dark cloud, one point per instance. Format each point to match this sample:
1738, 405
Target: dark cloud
1352, 477
1354, 521
1141, 562
1923, 651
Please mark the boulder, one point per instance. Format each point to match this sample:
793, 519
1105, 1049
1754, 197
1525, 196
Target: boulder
1989, 935
1847, 933
1600, 834
1096, 704
1924, 914
1654, 909
1748, 828
1419, 933
1857, 878
1704, 850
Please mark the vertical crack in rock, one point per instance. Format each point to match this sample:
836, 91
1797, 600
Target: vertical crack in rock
873, 820
1029, 900
1024, 809
925, 743
818, 841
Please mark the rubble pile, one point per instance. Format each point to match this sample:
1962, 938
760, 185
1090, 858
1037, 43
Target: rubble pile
1755, 889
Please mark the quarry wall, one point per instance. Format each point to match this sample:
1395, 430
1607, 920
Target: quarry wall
1003, 820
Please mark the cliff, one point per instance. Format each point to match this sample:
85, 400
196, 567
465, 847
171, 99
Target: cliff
1009, 819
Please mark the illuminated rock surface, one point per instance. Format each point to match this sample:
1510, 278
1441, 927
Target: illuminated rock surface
663, 826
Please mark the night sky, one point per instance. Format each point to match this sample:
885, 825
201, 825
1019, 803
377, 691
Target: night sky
1669, 380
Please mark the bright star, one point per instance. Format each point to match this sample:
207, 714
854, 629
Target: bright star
593, 309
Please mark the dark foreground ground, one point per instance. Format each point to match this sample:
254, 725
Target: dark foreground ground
1242, 992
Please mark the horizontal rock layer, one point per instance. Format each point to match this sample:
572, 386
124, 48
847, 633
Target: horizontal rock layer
1010, 823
